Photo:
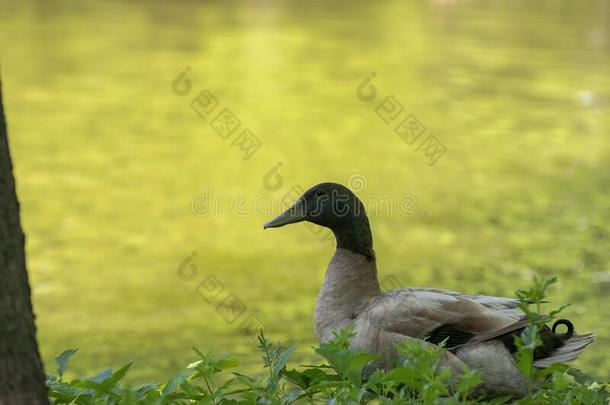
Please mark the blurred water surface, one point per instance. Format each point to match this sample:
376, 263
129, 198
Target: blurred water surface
112, 165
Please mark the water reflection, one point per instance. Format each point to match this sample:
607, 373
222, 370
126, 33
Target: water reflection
108, 158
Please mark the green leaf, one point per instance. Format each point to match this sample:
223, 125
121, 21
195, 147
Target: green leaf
526, 343
175, 382
468, 381
580, 377
553, 314
118, 376
297, 378
293, 395
192, 391
92, 385
62, 361
347, 363
223, 364
281, 362
101, 376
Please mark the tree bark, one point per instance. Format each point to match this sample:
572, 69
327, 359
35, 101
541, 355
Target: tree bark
22, 378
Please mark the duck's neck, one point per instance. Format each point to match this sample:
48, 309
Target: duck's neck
351, 280
356, 236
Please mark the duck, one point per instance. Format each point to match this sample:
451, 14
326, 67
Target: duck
476, 331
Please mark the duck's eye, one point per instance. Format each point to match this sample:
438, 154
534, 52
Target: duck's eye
320, 193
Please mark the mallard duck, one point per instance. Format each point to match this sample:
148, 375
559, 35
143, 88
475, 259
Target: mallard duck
478, 331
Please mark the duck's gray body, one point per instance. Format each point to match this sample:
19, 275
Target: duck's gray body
351, 295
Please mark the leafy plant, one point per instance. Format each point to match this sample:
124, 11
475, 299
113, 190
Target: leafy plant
345, 377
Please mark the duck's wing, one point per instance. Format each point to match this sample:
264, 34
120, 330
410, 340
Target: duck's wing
509, 306
442, 315
458, 319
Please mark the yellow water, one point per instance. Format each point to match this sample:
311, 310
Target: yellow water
112, 165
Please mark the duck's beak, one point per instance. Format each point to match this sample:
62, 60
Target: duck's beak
296, 213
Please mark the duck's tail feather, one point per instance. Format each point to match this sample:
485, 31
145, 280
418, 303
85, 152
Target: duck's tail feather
569, 350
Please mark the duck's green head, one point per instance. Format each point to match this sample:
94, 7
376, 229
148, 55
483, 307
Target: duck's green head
333, 206
327, 204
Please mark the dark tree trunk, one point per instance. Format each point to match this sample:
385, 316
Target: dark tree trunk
21, 374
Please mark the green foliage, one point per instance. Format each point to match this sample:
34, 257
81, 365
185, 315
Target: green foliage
348, 364
535, 295
346, 376
526, 344
529, 339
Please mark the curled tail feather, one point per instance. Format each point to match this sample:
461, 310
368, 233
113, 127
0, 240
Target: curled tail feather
567, 324
556, 347
572, 347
